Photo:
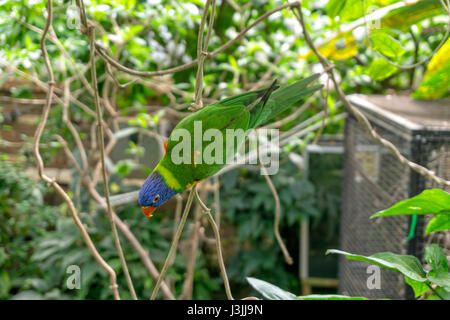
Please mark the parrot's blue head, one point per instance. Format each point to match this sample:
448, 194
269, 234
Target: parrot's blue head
154, 192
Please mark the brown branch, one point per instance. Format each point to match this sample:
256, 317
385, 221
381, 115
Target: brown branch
325, 109
360, 117
191, 64
276, 224
40, 163
45, 87
173, 247
73, 130
101, 138
223, 271
143, 254
216, 190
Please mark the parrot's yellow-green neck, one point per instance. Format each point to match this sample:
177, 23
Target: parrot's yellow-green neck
169, 178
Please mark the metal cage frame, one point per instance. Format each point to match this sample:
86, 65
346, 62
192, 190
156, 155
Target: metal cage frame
391, 118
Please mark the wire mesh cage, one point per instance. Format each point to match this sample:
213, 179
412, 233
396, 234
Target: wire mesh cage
374, 180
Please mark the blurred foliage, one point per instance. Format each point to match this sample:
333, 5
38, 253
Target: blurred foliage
39, 241
24, 220
249, 206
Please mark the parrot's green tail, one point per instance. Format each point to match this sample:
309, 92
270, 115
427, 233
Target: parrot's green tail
272, 101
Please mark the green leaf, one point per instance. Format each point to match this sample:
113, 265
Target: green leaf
5, 284
436, 258
439, 274
407, 265
334, 7
270, 291
131, 31
329, 297
436, 82
434, 201
385, 44
379, 69
233, 63
440, 222
419, 287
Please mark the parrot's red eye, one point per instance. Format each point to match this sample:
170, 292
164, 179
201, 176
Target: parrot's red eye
156, 199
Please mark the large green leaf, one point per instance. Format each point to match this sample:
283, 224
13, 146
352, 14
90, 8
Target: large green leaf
379, 69
440, 222
436, 258
439, 274
407, 265
433, 201
385, 44
270, 291
334, 7
419, 287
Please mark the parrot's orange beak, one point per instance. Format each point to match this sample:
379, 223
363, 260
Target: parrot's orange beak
147, 211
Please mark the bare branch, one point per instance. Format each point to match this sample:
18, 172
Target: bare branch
102, 156
276, 224
40, 163
202, 52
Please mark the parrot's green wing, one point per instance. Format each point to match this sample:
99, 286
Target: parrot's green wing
282, 99
206, 157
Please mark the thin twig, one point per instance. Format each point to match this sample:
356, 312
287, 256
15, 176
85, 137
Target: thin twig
434, 291
223, 271
191, 64
143, 254
276, 224
419, 63
191, 257
202, 52
40, 163
325, 109
217, 200
73, 130
102, 156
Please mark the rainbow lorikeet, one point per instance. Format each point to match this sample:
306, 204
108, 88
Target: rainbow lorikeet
244, 111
